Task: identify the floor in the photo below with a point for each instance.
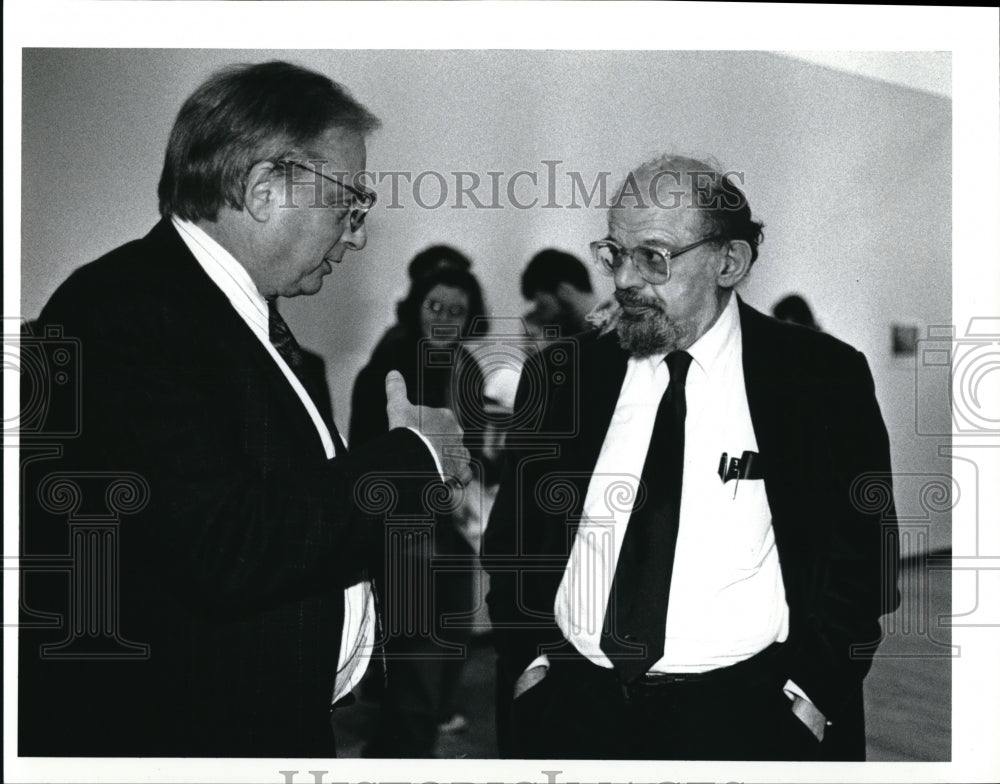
(907, 693)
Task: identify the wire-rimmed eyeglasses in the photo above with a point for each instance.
(652, 263)
(361, 203)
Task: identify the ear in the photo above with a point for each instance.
(263, 191)
(735, 264)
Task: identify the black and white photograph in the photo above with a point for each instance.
(500, 391)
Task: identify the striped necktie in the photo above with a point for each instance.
(287, 346)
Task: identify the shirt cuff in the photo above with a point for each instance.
(541, 661)
(792, 691)
(437, 461)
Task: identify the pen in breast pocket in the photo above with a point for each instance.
(747, 466)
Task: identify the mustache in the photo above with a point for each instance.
(630, 298)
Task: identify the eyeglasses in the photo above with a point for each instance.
(653, 264)
(455, 311)
(361, 203)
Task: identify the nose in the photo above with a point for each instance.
(627, 276)
(355, 239)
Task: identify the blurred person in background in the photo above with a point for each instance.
(795, 310)
(424, 657)
(557, 285)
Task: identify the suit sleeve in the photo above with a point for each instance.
(858, 578)
(241, 514)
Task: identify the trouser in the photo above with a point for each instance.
(582, 711)
(425, 663)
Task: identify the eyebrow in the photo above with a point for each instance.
(650, 244)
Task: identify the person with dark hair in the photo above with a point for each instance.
(438, 257)
(442, 305)
(424, 654)
(796, 310)
(230, 606)
(557, 284)
(679, 566)
(433, 258)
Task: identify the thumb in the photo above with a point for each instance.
(395, 388)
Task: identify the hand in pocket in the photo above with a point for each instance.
(529, 679)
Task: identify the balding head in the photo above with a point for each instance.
(680, 238)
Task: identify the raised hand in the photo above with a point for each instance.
(438, 425)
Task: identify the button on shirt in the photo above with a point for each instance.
(727, 599)
(234, 281)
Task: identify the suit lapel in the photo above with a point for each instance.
(602, 372)
(760, 377)
(598, 400)
(774, 398)
(208, 307)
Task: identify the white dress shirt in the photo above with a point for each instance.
(727, 599)
(234, 281)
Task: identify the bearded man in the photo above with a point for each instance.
(677, 567)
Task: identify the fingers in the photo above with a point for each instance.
(397, 407)
(456, 466)
(463, 475)
(395, 387)
(437, 425)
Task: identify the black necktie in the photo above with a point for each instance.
(636, 617)
(284, 341)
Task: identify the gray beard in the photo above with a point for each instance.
(644, 336)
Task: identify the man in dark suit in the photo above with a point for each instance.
(683, 563)
(228, 605)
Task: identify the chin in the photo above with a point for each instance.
(307, 287)
(644, 337)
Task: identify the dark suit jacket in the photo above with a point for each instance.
(826, 456)
(232, 570)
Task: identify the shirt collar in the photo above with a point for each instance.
(710, 347)
(227, 273)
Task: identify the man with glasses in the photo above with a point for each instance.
(243, 605)
(683, 562)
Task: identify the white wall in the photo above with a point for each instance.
(851, 176)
